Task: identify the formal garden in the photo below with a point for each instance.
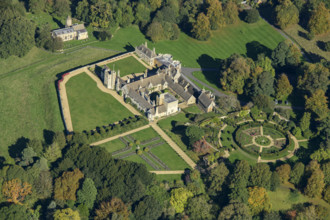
(267, 140)
(148, 148)
(90, 107)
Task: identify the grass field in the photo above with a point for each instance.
(239, 154)
(238, 38)
(312, 47)
(211, 78)
(164, 152)
(89, 106)
(127, 66)
(28, 99)
(193, 109)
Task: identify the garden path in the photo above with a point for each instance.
(120, 135)
(219, 134)
(175, 147)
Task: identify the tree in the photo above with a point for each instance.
(36, 145)
(273, 215)
(155, 4)
(326, 195)
(16, 37)
(62, 7)
(199, 208)
(305, 121)
(216, 178)
(142, 14)
(228, 103)
(59, 138)
(315, 184)
(263, 84)
(265, 63)
(37, 6)
(53, 152)
(15, 191)
(315, 77)
(284, 172)
(318, 104)
(283, 87)
(44, 185)
(231, 13)
(13, 212)
(319, 21)
(286, 14)
(66, 214)
(326, 172)
(260, 175)
(235, 210)
(215, 14)
(264, 103)
(239, 181)
(116, 209)
(284, 54)
(296, 173)
(327, 46)
(155, 31)
(201, 28)
(55, 44)
(258, 200)
(148, 208)
(67, 185)
(194, 134)
(251, 15)
(322, 154)
(234, 75)
(128, 16)
(27, 156)
(87, 194)
(201, 146)
(82, 10)
(179, 199)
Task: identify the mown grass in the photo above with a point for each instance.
(90, 107)
(193, 109)
(168, 177)
(28, 99)
(241, 38)
(127, 66)
(164, 152)
(239, 154)
(313, 47)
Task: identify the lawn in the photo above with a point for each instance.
(127, 66)
(312, 47)
(241, 38)
(227, 136)
(28, 100)
(168, 177)
(90, 107)
(239, 154)
(193, 109)
(164, 152)
(211, 78)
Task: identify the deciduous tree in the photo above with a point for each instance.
(179, 199)
(201, 28)
(260, 175)
(296, 173)
(194, 133)
(235, 210)
(115, 208)
(231, 13)
(215, 14)
(283, 87)
(319, 21)
(315, 184)
(87, 194)
(305, 121)
(155, 31)
(217, 177)
(284, 172)
(15, 191)
(318, 104)
(258, 200)
(199, 208)
(67, 185)
(148, 208)
(66, 214)
(286, 14)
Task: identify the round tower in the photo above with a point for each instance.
(68, 21)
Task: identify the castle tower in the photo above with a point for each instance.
(68, 21)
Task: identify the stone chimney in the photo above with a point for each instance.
(68, 21)
(128, 80)
(141, 78)
(145, 74)
(154, 50)
(146, 44)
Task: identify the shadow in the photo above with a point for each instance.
(48, 136)
(2, 162)
(267, 12)
(206, 61)
(303, 34)
(242, 14)
(315, 58)
(129, 47)
(254, 48)
(58, 22)
(321, 45)
(16, 149)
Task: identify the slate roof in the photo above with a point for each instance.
(63, 31)
(149, 53)
(204, 100)
(177, 88)
(79, 27)
(139, 99)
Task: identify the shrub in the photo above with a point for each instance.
(327, 46)
(251, 16)
(139, 152)
(310, 36)
(146, 149)
(103, 35)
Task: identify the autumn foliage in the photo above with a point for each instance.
(116, 207)
(67, 185)
(201, 146)
(15, 190)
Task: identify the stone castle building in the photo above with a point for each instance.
(167, 83)
(71, 32)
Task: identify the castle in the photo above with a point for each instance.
(71, 32)
(168, 85)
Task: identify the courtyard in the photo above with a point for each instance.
(127, 66)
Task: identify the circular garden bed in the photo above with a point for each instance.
(266, 140)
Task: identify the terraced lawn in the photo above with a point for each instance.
(90, 107)
(127, 66)
(163, 151)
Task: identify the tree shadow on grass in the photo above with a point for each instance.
(129, 47)
(48, 136)
(16, 149)
(321, 45)
(254, 48)
(58, 22)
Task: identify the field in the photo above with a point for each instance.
(127, 66)
(28, 100)
(89, 106)
(312, 47)
(158, 147)
(241, 38)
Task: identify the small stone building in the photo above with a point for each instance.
(146, 54)
(71, 32)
